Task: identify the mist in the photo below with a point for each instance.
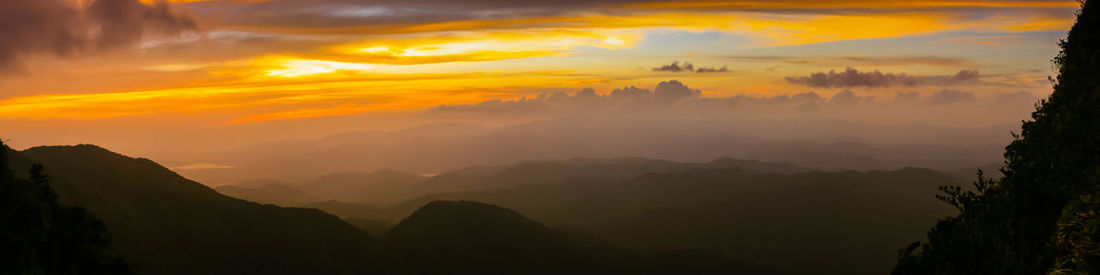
(944, 130)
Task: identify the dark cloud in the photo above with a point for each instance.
(950, 96)
(674, 90)
(630, 92)
(675, 67)
(711, 70)
(59, 27)
(807, 98)
(963, 77)
(765, 109)
(852, 78)
(665, 95)
(672, 93)
(688, 67)
(667, 92)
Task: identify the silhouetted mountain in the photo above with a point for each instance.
(463, 237)
(704, 213)
(40, 235)
(166, 224)
(827, 222)
(475, 238)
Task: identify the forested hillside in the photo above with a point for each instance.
(1041, 216)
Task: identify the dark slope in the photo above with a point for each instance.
(1041, 216)
(40, 235)
(463, 237)
(827, 222)
(468, 237)
(166, 224)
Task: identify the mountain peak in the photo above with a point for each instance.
(79, 148)
(466, 217)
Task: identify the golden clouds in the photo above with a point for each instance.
(848, 4)
(296, 68)
(480, 46)
(360, 66)
(270, 98)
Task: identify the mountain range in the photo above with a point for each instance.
(437, 148)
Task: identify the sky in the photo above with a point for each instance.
(147, 77)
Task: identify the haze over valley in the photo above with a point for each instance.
(549, 137)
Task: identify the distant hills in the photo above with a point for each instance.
(632, 215)
(829, 222)
(162, 223)
(165, 224)
(464, 237)
(475, 238)
(435, 148)
(842, 222)
(381, 186)
(384, 186)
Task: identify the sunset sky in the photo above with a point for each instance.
(138, 75)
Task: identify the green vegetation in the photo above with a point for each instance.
(1041, 216)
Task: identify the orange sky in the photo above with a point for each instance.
(242, 66)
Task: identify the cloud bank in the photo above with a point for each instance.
(852, 78)
(946, 106)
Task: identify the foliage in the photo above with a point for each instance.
(1078, 238)
(1037, 218)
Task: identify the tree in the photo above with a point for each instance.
(1035, 219)
(39, 235)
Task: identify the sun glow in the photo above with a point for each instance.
(480, 46)
(311, 70)
(296, 68)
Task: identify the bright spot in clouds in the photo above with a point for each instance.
(295, 68)
(315, 60)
